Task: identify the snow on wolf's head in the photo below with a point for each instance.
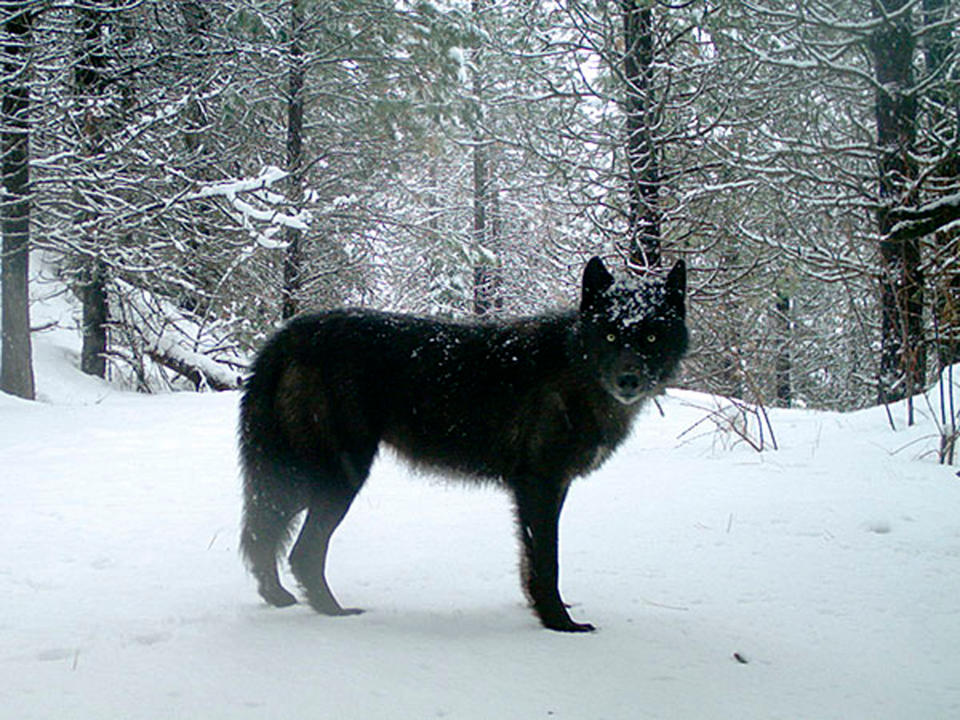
(633, 329)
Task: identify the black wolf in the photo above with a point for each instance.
(529, 404)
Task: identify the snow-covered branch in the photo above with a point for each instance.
(156, 329)
(925, 220)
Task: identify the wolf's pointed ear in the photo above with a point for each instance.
(676, 288)
(596, 281)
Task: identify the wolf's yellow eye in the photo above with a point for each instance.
(651, 338)
(611, 337)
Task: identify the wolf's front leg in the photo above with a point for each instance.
(538, 516)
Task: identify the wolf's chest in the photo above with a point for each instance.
(600, 455)
(594, 436)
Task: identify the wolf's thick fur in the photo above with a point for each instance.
(529, 404)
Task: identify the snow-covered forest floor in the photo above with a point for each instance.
(820, 580)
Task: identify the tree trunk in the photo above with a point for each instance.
(195, 374)
(90, 84)
(938, 41)
(730, 375)
(643, 167)
(16, 373)
(937, 46)
(96, 315)
(485, 270)
(197, 22)
(293, 254)
(202, 157)
(782, 363)
(902, 355)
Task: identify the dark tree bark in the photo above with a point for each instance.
(486, 273)
(486, 295)
(16, 375)
(293, 237)
(902, 355)
(643, 166)
(731, 376)
(938, 44)
(96, 316)
(481, 294)
(197, 23)
(782, 363)
(91, 82)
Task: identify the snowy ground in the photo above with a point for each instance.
(831, 566)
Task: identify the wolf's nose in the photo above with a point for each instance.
(628, 383)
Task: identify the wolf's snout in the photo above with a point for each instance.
(628, 383)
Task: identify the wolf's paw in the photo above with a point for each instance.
(343, 612)
(278, 597)
(572, 627)
(327, 605)
(563, 623)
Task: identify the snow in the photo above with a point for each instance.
(264, 211)
(829, 567)
(459, 56)
(231, 188)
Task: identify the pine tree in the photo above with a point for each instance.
(16, 367)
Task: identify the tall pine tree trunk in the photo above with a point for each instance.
(486, 295)
(643, 166)
(197, 22)
(16, 375)
(902, 354)
(90, 84)
(293, 237)
(938, 43)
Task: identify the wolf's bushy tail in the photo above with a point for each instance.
(270, 499)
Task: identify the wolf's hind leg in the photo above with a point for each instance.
(329, 503)
(261, 540)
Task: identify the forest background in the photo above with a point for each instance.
(196, 172)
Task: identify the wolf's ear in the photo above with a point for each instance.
(676, 288)
(596, 281)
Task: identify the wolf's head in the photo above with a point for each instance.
(633, 329)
